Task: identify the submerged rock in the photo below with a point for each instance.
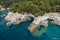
(32, 28)
(2, 16)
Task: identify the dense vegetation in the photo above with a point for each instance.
(36, 7)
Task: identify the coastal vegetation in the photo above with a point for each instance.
(36, 7)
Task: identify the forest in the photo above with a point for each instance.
(36, 7)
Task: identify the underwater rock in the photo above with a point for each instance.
(32, 28)
(2, 16)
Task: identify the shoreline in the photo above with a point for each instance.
(16, 18)
(54, 18)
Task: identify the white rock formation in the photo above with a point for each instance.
(40, 20)
(16, 18)
(55, 17)
(1, 8)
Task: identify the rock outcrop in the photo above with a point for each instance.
(55, 17)
(16, 18)
(40, 20)
(1, 8)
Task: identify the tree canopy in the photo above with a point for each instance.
(36, 7)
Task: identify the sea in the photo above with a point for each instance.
(21, 32)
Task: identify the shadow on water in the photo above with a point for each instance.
(26, 24)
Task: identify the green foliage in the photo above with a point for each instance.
(56, 7)
(36, 7)
(26, 6)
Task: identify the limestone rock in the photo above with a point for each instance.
(1, 8)
(55, 17)
(9, 24)
(16, 18)
(40, 20)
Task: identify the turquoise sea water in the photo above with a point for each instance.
(20, 32)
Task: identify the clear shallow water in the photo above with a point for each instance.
(20, 32)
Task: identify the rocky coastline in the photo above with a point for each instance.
(40, 20)
(16, 18)
(54, 18)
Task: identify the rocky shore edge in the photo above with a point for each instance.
(54, 18)
(16, 18)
